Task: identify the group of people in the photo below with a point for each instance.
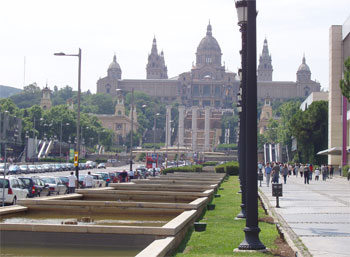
(272, 171)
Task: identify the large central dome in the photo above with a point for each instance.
(208, 43)
(208, 51)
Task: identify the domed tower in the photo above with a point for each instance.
(303, 73)
(114, 70)
(265, 64)
(156, 68)
(208, 51)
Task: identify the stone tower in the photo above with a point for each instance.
(265, 116)
(156, 68)
(119, 107)
(45, 101)
(265, 64)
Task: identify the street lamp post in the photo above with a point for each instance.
(67, 124)
(132, 126)
(154, 131)
(251, 241)
(78, 112)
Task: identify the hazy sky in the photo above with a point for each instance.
(35, 29)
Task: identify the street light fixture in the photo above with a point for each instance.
(77, 149)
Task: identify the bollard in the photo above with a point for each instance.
(277, 192)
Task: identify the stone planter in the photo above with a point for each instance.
(199, 226)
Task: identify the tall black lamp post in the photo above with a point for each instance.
(77, 147)
(242, 22)
(251, 240)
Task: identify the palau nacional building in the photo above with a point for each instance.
(204, 93)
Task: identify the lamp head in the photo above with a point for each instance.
(242, 11)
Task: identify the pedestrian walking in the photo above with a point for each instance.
(348, 174)
(290, 169)
(306, 174)
(88, 180)
(340, 169)
(324, 172)
(317, 174)
(296, 169)
(331, 171)
(301, 170)
(72, 180)
(311, 170)
(268, 170)
(285, 173)
(275, 173)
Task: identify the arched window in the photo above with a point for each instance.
(306, 91)
(119, 113)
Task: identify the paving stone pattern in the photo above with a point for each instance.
(318, 213)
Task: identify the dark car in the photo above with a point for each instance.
(35, 185)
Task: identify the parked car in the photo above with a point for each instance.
(32, 169)
(47, 167)
(58, 167)
(35, 186)
(101, 165)
(24, 168)
(39, 169)
(105, 177)
(2, 167)
(98, 180)
(65, 181)
(14, 189)
(55, 185)
(14, 169)
(70, 166)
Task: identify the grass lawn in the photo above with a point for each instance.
(224, 233)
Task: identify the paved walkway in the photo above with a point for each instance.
(318, 213)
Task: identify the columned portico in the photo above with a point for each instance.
(181, 125)
(194, 128)
(167, 126)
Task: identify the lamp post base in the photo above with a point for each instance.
(251, 240)
(242, 215)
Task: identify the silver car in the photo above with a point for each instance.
(55, 185)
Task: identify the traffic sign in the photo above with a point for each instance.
(76, 159)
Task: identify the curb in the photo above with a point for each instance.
(284, 229)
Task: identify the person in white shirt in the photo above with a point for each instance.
(71, 183)
(88, 180)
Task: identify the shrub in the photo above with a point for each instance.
(345, 170)
(230, 168)
(194, 168)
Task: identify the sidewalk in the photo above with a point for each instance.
(318, 213)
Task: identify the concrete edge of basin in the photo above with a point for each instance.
(158, 248)
(290, 237)
(12, 209)
(180, 221)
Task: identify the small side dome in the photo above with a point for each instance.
(304, 66)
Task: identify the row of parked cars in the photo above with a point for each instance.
(14, 169)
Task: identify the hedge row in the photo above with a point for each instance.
(230, 168)
(209, 164)
(194, 168)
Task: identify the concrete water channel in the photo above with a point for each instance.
(143, 218)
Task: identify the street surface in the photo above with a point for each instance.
(318, 213)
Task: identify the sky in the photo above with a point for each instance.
(33, 30)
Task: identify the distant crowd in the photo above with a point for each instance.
(274, 170)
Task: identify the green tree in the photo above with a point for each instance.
(30, 96)
(310, 128)
(345, 83)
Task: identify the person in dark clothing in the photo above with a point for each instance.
(306, 174)
(123, 176)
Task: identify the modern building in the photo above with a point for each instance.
(313, 97)
(338, 107)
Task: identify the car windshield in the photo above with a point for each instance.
(104, 176)
(32, 166)
(23, 166)
(26, 181)
(64, 179)
(49, 180)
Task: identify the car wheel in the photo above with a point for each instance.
(14, 202)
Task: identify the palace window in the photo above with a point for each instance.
(195, 90)
(206, 90)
